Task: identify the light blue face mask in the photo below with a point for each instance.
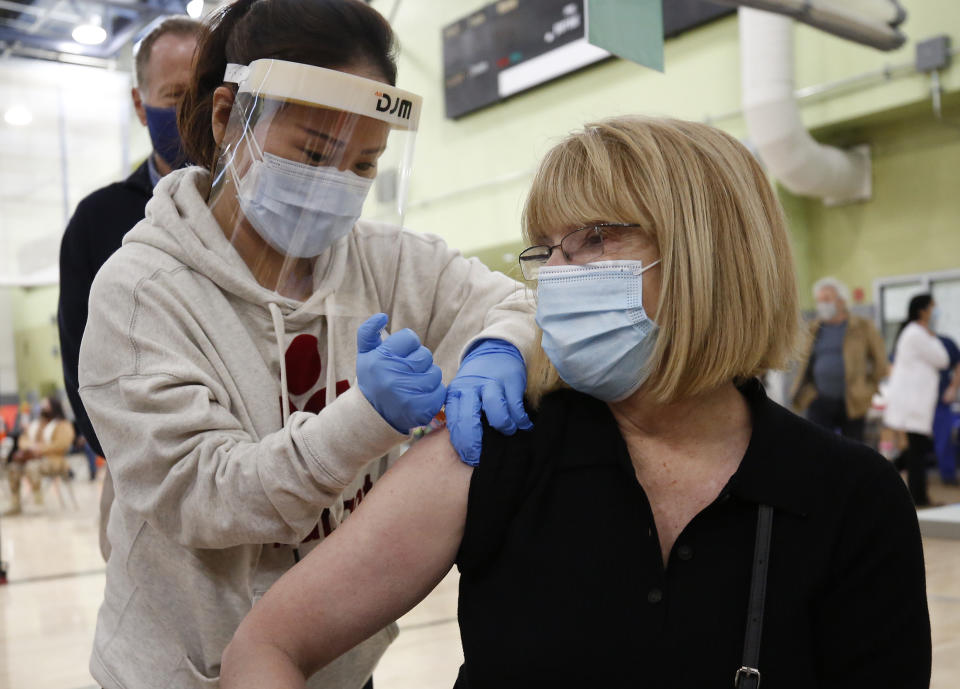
(595, 330)
(300, 210)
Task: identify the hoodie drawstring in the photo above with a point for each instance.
(279, 333)
(331, 349)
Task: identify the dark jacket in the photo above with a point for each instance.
(94, 232)
(563, 583)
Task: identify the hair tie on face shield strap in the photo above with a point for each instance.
(235, 74)
(595, 330)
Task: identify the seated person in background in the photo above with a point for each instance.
(42, 452)
(614, 544)
(21, 419)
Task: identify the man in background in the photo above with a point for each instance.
(843, 365)
(163, 67)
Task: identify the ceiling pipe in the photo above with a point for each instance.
(875, 23)
(801, 164)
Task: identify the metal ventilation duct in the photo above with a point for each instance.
(793, 157)
(875, 23)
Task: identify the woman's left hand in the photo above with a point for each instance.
(492, 379)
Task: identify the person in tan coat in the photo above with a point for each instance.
(42, 452)
(844, 362)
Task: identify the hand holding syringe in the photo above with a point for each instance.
(397, 375)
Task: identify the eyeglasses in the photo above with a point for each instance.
(580, 246)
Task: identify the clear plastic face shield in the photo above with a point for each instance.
(307, 151)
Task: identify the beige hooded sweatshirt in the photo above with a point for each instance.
(180, 371)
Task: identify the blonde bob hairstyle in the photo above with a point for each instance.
(728, 308)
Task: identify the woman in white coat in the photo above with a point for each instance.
(919, 356)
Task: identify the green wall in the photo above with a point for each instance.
(701, 82)
(36, 342)
(912, 223)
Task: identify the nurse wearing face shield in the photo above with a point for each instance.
(256, 352)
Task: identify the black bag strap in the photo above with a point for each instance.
(748, 676)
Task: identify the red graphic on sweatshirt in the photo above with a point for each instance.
(318, 401)
(303, 364)
(304, 373)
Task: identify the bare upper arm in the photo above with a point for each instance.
(383, 560)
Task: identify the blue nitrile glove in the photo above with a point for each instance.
(398, 376)
(492, 377)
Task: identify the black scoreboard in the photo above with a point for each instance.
(683, 15)
(510, 46)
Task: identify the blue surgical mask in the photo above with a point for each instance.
(162, 125)
(826, 310)
(934, 318)
(595, 330)
(300, 210)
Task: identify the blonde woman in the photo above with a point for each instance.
(664, 524)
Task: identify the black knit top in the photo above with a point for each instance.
(563, 584)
